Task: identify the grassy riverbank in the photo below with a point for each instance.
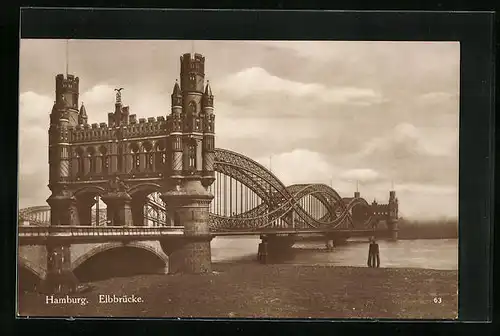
(286, 291)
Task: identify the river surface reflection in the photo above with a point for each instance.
(420, 253)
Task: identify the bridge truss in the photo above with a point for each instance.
(249, 197)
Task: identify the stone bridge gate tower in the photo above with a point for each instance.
(190, 168)
(123, 160)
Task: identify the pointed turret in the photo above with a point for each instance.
(208, 97)
(82, 116)
(176, 99)
(208, 89)
(177, 89)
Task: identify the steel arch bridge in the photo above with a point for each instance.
(249, 197)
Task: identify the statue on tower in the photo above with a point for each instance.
(119, 95)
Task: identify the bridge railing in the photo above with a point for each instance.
(79, 231)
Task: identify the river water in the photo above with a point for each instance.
(441, 254)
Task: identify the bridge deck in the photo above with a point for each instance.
(29, 235)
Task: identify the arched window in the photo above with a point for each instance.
(192, 155)
(192, 107)
(160, 155)
(137, 161)
(177, 219)
(150, 161)
(80, 167)
(92, 160)
(148, 150)
(136, 156)
(119, 159)
(105, 160)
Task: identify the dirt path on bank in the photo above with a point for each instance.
(285, 291)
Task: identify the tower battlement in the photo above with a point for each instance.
(192, 63)
(192, 74)
(67, 90)
(67, 83)
(84, 151)
(101, 132)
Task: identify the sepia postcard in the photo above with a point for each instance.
(238, 179)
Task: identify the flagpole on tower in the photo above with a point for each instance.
(67, 57)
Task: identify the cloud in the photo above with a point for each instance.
(428, 189)
(256, 80)
(34, 110)
(406, 141)
(327, 111)
(98, 95)
(437, 97)
(427, 201)
(299, 166)
(361, 175)
(99, 100)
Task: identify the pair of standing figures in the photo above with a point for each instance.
(373, 254)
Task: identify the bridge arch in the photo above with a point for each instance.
(144, 189)
(36, 270)
(90, 189)
(115, 259)
(29, 275)
(279, 201)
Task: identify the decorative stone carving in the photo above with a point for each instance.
(117, 185)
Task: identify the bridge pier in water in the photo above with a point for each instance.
(275, 248)
(60, 278)
(336, 239)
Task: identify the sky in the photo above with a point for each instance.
(384, 114)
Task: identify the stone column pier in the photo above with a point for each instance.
(63, 211)
(63, 208)
(119, 211)
(137, 208)
(189, 202)
(337, 239)
(85, 210)
(60, 278)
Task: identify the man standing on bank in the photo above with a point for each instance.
(373, 254)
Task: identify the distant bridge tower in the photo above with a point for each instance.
(392, 218)
(190, 167)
